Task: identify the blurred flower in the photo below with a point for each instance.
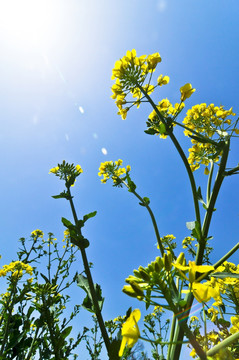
(130, 331)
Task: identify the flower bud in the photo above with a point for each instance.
(127, 289)
(137, 273)
(131, 278)
(167, 258)
(143, 274)
(156, 267)
(159, 260)
(137, 289)
(181, 259)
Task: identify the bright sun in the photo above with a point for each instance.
(26, 23)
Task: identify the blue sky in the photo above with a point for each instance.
(55, 69)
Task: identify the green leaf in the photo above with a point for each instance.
(45, 278)
(79, 240)
(66, 332)
(200, 139)
(67, 223)
(223, 275)
(199, 193)
(146, 201)
(224, 322)
(82, 282)
(62, 195)
(162, 128)
(131, 184)
(128, 312)
(194, 226)
(150, 131)
(88, 216)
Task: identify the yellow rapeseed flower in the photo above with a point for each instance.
(54, 170)
(163, 80)
(79, 169)
(186, 91)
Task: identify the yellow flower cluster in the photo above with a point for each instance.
(130, 73)
(166, 109)
(67, 240)
(203, 292)
(187, 242)
(16, 268)
(37, 233)
(79, 169)
(235, 324)
(167, 242)
(113, 170)
(213, 123)
(67, 172)
(229, 285)
(54, 170)
(211, 339)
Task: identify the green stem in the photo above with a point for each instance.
(172, 330)
(91, 284)
(162, 342)
(226, 256)
(232, 171)
(200, 136)
(200, 352)
(205, 328)
(212, 201)
(179, 333)
(181, 153)
(8, 316)
(28, 357)
(151, 215)
(209, 183)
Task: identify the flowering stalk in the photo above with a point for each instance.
(179, 332)
(91, 284)
(210, 131)
(181, 153)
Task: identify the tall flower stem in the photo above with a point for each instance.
(181, 153)
(151, 216)
(179, 332)
(212, 201)
(91, 284)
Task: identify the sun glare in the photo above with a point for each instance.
(26, 23)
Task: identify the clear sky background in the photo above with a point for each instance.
(55, 71)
